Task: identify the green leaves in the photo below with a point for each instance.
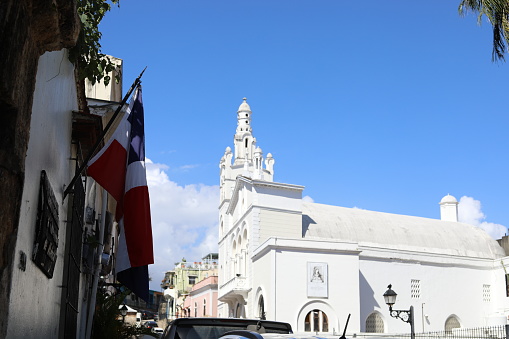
(497, 12)
(86, 55)
(108, 322)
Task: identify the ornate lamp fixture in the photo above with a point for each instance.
(405, 315)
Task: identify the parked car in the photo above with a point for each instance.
(148, 315)
(138, 320)
(260, 334)
(255, 335)
(158, 330)
(150, 324)
(214, 328)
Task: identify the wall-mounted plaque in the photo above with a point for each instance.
(317, 276)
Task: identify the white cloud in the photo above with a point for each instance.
(186, 168)
(307, 198)
(470, 212)
(184, 221)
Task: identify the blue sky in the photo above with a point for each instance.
(380, 105)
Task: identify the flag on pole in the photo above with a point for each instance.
(119, 167)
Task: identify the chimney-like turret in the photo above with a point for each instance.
(449, 208)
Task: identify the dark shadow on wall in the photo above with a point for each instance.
(367, 300)
(306, 221)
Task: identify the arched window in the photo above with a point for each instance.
(325, 323)
(452, 322)
(195, 310)
(204, 307)
(261, 308)
(246, 142)
(238, 311)
(244, 236)
(316, 321)
(375, 323)
(239, 256)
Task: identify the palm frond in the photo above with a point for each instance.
(497, 13)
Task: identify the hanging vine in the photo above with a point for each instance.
(86, 55)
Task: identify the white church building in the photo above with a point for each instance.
(311, 265)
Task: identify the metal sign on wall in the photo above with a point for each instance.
(46, 236)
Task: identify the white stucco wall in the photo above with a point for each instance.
(278, 224)
(448, 286)
(285, 261)
(277, 195)
(500, 300)
(35, 299)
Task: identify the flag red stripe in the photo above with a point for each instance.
(137, 226)
(109, 170)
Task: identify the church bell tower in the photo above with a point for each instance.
(247, 159)
(243, 139)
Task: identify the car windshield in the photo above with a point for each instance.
(213, 332)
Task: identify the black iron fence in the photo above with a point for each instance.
(500, 332)
(491, 332)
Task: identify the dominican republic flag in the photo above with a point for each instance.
(119, 167)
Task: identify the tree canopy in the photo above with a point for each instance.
(497, 12)
(86, 55)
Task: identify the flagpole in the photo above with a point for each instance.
(103, 134)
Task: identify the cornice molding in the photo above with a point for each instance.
(242, 179)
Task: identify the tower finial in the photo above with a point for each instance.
(244, 98)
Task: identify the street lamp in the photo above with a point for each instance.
(405, 315)
(123, 312)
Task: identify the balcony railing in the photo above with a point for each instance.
(236, 285)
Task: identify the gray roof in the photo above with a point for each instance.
(399, 232)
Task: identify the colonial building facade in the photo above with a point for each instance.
(180, 283)
(282, 258)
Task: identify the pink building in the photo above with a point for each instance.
(202, 300)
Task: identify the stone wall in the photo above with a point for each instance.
(28, 28)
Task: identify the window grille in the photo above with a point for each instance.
(486, 293)
(415, 289)
(73, 254)
(375, 323)
(452, 322)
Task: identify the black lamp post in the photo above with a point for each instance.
(405, 315)
(123, 312)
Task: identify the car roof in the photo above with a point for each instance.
(209, 321)
(244, 334)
